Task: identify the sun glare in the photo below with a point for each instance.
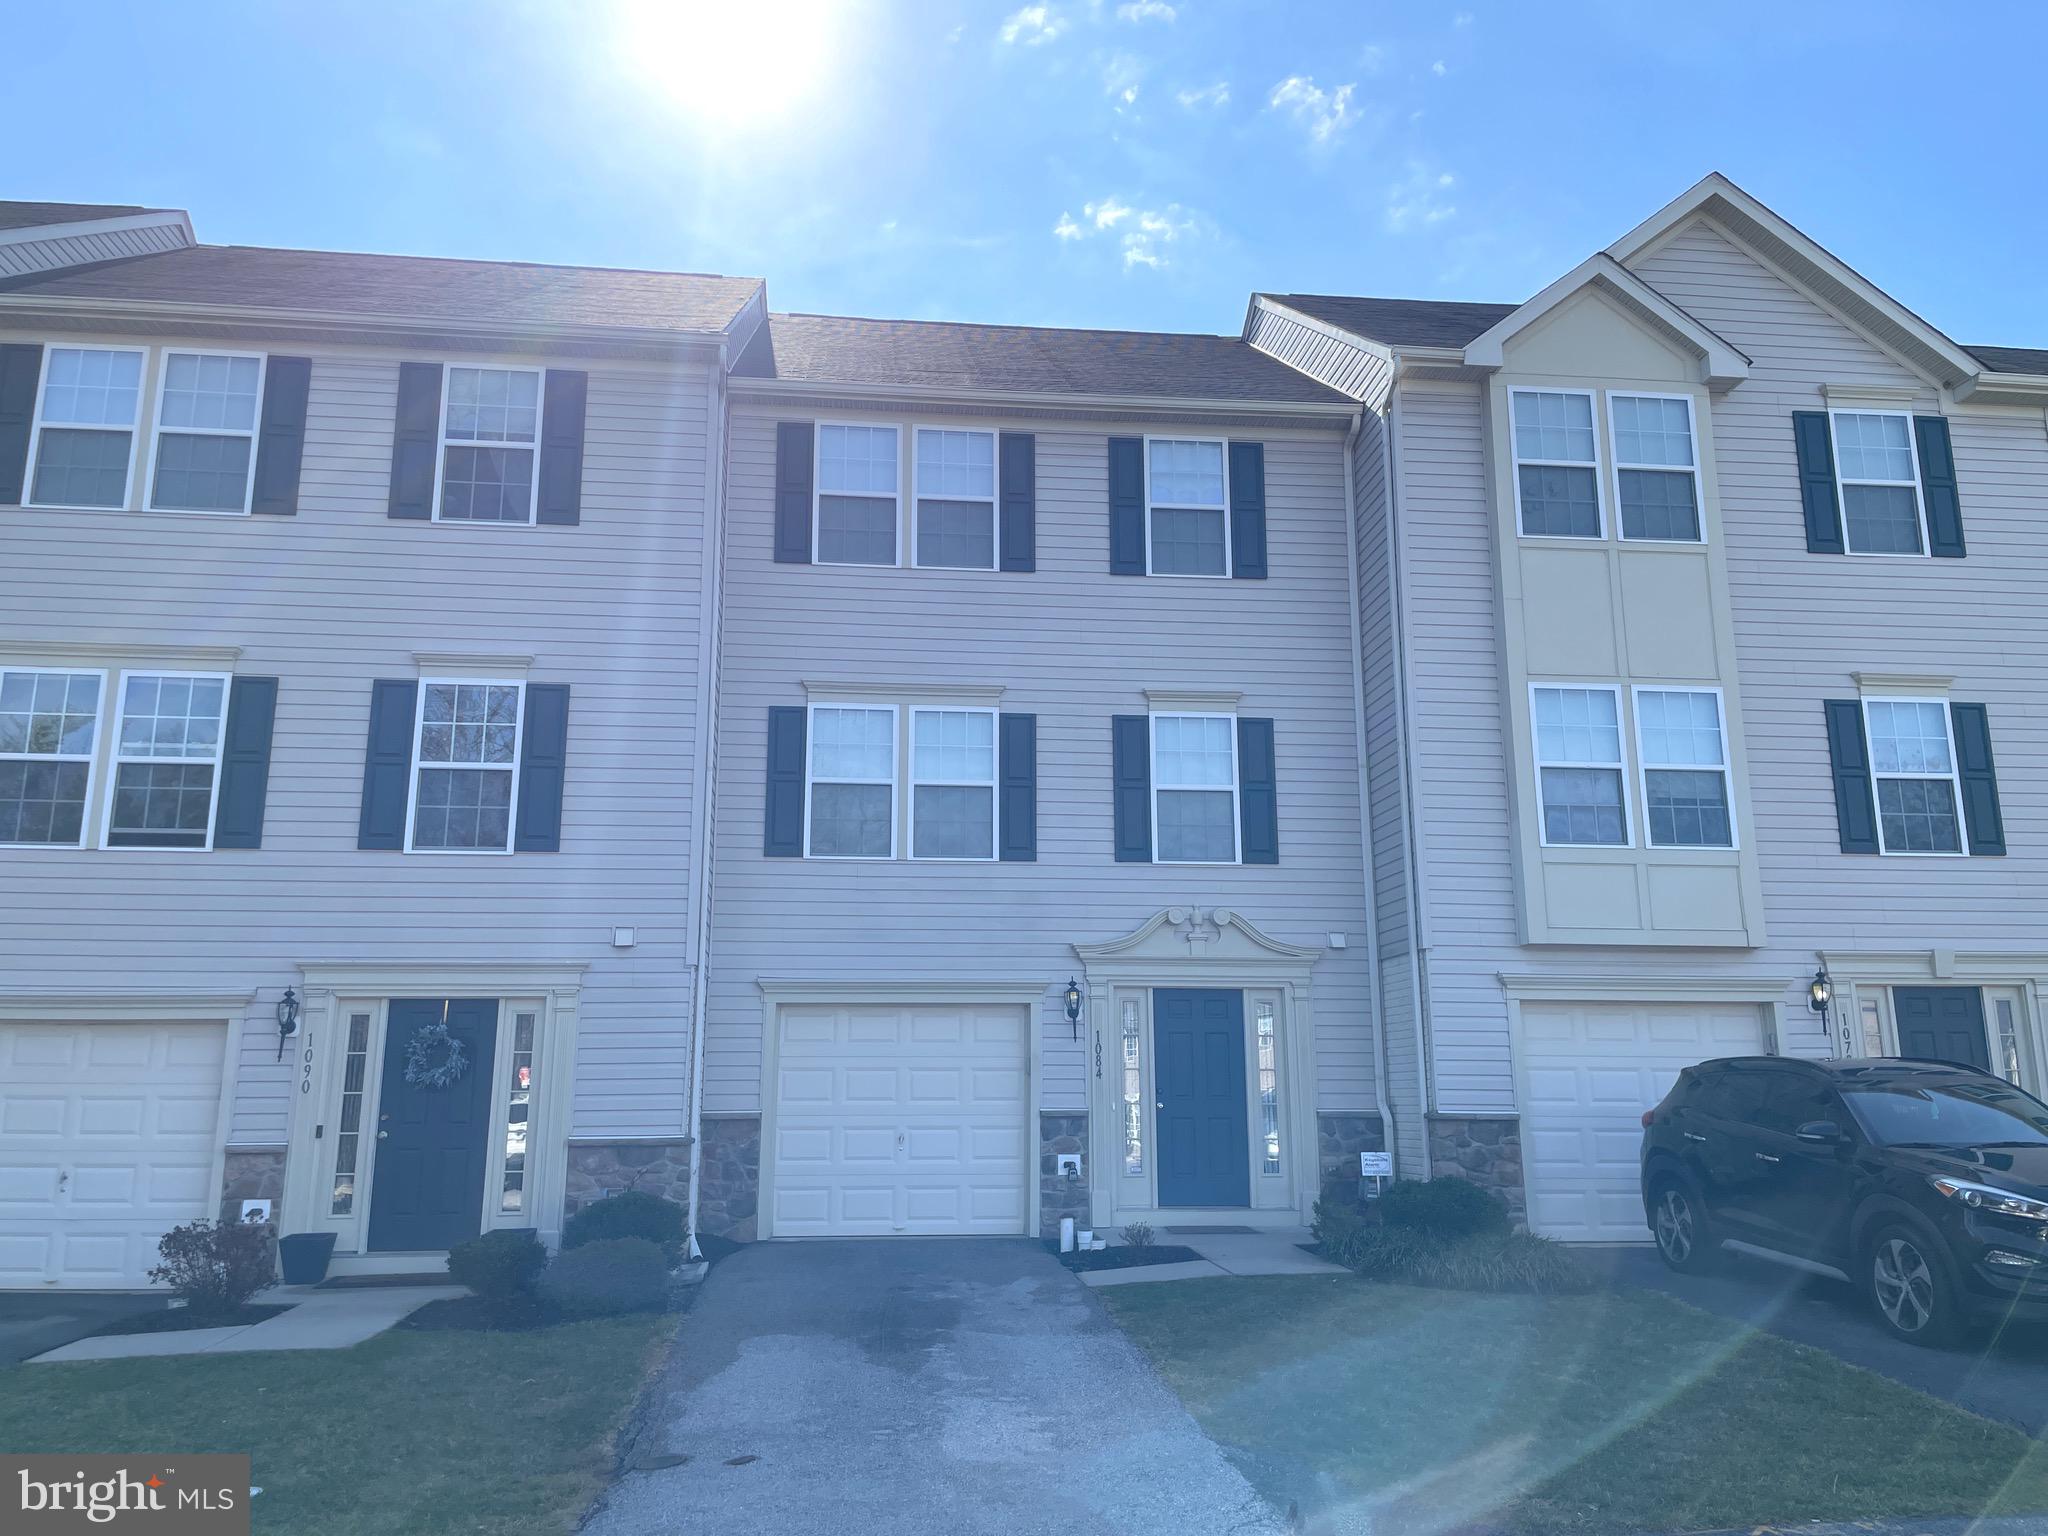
(727, 63)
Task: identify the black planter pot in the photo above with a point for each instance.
(303, 1257)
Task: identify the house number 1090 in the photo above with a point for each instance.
(306, 1066)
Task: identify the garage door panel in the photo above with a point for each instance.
(860, 1086)
(932, 1085)
(24, 1115)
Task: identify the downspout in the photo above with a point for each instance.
(1391, 472)
(709, 629)
(1372, 924)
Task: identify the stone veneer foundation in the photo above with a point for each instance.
(1058, 1195)
(1340, 1138)
(729, 1178)
(1486, 1151)
(655, 1165)
(253, 1173)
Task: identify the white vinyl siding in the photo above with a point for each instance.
(1581, 779)
(165, 781)
(465, 779)
(1187, 507)
(83, 449)
(1656, 467)
(1913, 766)
(1877, 471)
(490, 445)
(1194, 789)
(1557, 464)
(954, 499)
(203, 455)
(49, 737)
(858, 512)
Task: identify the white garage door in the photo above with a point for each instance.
(106, 1140)
(900, 1120)
(1588, 1073)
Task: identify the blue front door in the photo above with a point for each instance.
(433, 1143)
(1198, 1059)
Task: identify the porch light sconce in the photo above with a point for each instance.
(287, 1019)
(1820, 991)
(1074, 1006)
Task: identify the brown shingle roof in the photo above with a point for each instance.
(2011, 359)
(28, 215)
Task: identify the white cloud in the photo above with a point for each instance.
(1420, 199)
(1108, 213)
(1146, 10)
(1325, 114)
(1145, 236)
(1121, 77)
(1438, 69)
(1217, 95)
(1067, 229)
(1032, 25)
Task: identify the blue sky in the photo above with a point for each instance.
(1130, 163)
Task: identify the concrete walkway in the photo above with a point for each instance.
(919, 1387)
(317, 1320)
(1274, 1252)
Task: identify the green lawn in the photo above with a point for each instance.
(1556, 1415)
(410, 1434)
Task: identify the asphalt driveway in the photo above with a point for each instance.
(2002, 1376)
(34, 1321)
(916, 1386)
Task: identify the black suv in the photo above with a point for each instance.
(1923, 1182)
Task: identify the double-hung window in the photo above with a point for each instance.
(952, 784)
(490, 435)
(1656, 467)
(167, 744)
(850, 804)
(49, 729)
(1579, 771)
(1187, 507)
(465, 766)
(205, 447)
(1684, 753)
(84, 449)
(1194, 789)
(1913, 765)
(1878, 474)
(955, 499)
(1557, 463)
(859, 504)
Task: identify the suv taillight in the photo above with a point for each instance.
(1649, 1118)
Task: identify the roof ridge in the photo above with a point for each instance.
(470, 261)
(1004, 325)
(1378, 298)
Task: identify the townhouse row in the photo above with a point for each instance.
(476, 736)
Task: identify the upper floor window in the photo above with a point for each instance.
(1656, 468)
(1194, 789)
(858, 501)
(955, 499)
(205, 432)
(49, 728)
(1579, 766)
(167, 742)
(850, 798)
(1557, 463)
(1878, 474)
(1913, 768)
(465, 766)
(490, 431)
(1684, 753)
(1187, 507)
(84, 449)
(952, 783)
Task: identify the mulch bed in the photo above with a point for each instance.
(184, 1319)
(1125, 1258)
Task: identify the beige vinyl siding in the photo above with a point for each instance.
(20, 257)
(337, 596)
(1073, 645)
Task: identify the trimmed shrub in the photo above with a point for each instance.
(1496, 1261)
(216, 1266)
(499, 1265)
(1446, 1207)
(1338, 1217)
(1139, 1234)
(614, 1274)
(630, 1214)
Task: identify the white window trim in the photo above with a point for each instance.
(994, 499)
(811, 780)
(1621, 766)
(818, 493)
(35, 441)
(157, 429)
(993, 784)
(1598, 466)
(1699, 489)
(1644, 766)
(443, 442)
(1236, 785)
(1954, 776)
(412, 787)
(1842, 484)
(115, 758)
(91, 756)
(1223, 446)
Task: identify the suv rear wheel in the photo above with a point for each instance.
(1685, 1239)
(1911, 1289)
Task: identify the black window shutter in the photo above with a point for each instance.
(21, 366)
(1849, 760)
(1018, 838)
(782, 835)
(1938, 483)
(245, 762)
(416, 443)
(1979, 776)
(1131, 778)
(387, 764)
(1127, 512)
(1258, 799)
(1817, 482)
(543, 765)
(561, 447)
(1018, 518)
(795, 443)
(1248, 510)
(281, 440)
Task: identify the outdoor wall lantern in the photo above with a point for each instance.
(1074, 1006)
(1820, 991)
(287, 1019)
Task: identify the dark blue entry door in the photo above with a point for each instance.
(1198, 1059)
(433, 1144)
(1945, 1023)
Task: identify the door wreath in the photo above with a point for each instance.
(434, 1058)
